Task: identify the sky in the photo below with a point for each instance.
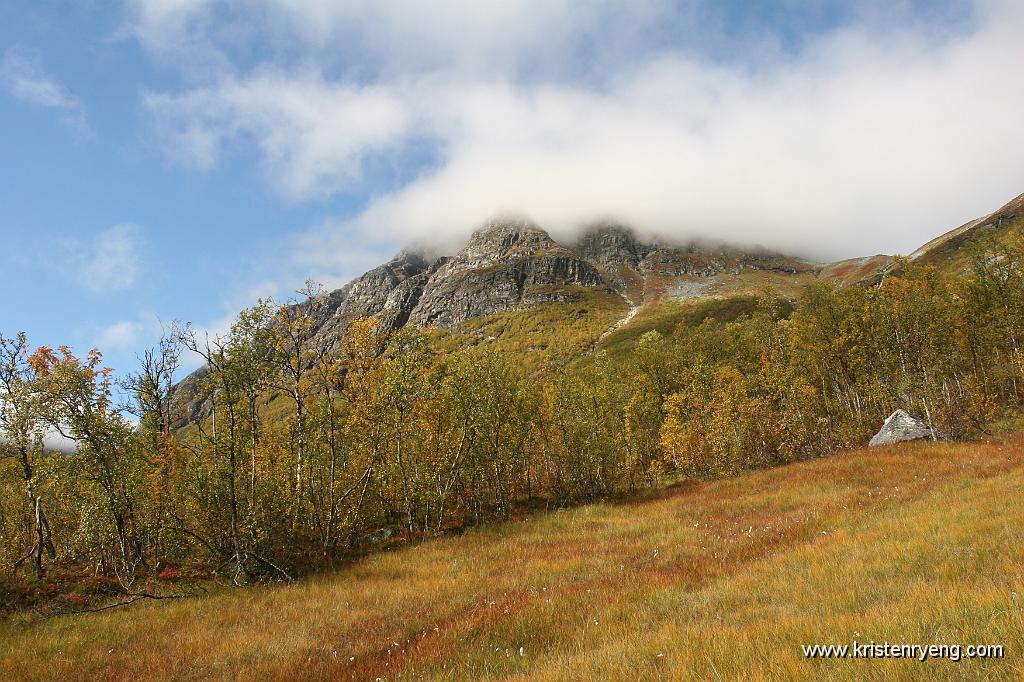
(177, 159)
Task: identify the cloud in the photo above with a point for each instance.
(179, 31)
(111, 262)
(328, 255)
(126, 336)
(390, 38)
(873, 135)
(23, 77)
(319, 131)
(120, 335)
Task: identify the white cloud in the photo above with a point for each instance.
(327, 254)
(871, 138)
(23, 77)
(393, 37)
(318, 131)
(120, 335)
(128, 336)
(177, 30)
(111, 262)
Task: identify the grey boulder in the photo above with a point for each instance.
(899, 427)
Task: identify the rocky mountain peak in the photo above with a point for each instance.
(508, 232)
(499, 270)
(501, 239)
(508, 265)
(407, 263)
(612, 245)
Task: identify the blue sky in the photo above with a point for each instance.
(176, 159)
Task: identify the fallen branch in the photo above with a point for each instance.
(22, 560)
(135, 596)
(267, 562)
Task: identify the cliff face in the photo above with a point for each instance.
(510, 264)
(497, 272)
(389, 292)
(612, 246)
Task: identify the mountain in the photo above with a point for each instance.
(510, 265)
(511, 269)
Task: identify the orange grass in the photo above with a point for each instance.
(917, 543)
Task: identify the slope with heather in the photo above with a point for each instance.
(919, 543)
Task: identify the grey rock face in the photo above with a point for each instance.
(709, 260)
(612, 246)
(508, 264)
(186, 394)
(495, 273)
(901, 426)
(390, 292)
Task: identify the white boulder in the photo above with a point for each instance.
(899, 427)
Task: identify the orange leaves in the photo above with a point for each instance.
(42, 360)
(45, 360)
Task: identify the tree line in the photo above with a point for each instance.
(311, 446)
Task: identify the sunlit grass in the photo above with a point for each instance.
(667, 315)
(724, 580)
(543, 334)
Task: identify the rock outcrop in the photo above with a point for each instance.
(612, 246)
(495, 272)
(901, 426)
(390, 291)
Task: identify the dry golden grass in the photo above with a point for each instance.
(725, 580)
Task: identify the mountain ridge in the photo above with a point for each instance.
(509, 265)
(501, 260)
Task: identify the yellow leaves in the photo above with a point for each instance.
(675, 433)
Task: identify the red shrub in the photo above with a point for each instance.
(169, 574)
(75, 598)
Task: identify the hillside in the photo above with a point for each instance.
(951, 249)
(919, 543)
(395, 341)
(639, 385)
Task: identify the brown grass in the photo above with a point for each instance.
(722, 580)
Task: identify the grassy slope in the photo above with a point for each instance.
(915, 543)
(666, 315)
(541, 334)
(951, 251)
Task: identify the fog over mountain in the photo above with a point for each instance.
(870, 134)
